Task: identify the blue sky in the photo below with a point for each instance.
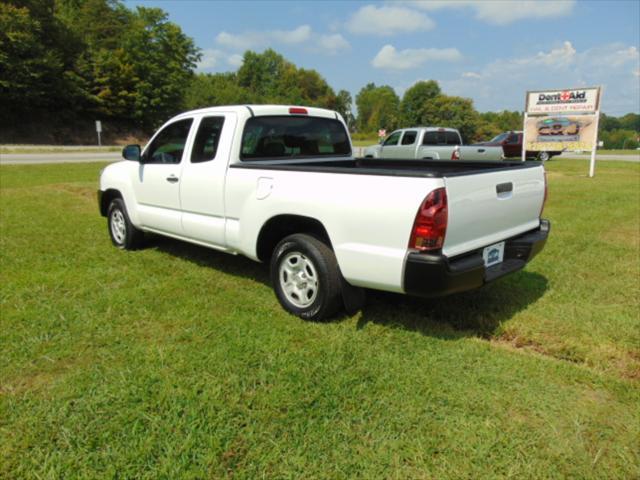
(491, 51)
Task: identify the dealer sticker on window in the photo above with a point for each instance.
(493, 254)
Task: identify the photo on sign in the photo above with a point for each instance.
(557, 133)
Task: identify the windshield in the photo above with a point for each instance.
(293, 137)
(500, 138)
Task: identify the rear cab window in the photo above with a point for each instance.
(283, 136)
(441, 138)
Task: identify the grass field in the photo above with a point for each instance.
(177, 362)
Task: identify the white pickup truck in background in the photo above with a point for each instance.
(279, 185)
(431, 143)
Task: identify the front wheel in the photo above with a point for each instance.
(544, 156)
(306, 277)
(123, 233)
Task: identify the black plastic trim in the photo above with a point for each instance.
(394, 168)
(250, 110)
(100, 195)
(435, 275)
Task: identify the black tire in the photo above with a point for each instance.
(326, 299)
(127, 237)
(544, 156)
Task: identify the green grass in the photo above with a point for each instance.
(365, 143)
(177, 362)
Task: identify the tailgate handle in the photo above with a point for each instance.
(481, 150)
(503, 189)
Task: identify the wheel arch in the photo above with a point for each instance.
(280, 226)
(107, 197)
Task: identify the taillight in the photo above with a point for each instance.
(430, 225)
(298, 111)
(546, 194)
(455, 155)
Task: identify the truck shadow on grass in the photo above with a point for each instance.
(475, 313)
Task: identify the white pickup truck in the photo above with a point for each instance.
(431, 143)
(278, 184)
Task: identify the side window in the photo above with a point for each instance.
(392, 139)
(409, 137)
(206, 142)
(512, 139)
(169, 144)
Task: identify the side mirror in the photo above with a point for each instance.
(131, 152)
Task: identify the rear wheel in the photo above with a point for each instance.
(123, 233)
(544, 156)
(306, 278)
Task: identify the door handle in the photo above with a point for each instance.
(172, 179)
(504, 189)
(481, 150)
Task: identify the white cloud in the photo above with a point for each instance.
(213, 59)
(503, 82)
(235, 60)
(471, 75)
(388, 20)
(501, 12)
(302, 36)
(391, 59)
(248, 40)
(332, 43)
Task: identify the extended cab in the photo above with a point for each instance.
(279, 185)
(431, 143)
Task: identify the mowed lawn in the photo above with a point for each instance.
(177, 361)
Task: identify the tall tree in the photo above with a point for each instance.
(453, 112)
(273, 79)
(378, 107)
(37, 55)
(344, 107)
(209, 90)
(415, 100)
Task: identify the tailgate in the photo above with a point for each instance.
(485, 208)
(480, 152)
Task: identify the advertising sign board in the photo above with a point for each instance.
(577, 100)
(560, 120)
(559, 133)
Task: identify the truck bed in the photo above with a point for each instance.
(398, 168)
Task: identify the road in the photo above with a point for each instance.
(37, 158)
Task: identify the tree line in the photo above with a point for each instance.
(73, 61)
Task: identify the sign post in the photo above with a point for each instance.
(592, 163)
(562, 120)
(99, 131)
(524, 138)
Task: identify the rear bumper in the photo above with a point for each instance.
(428, 275)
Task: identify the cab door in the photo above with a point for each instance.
(390, 147)
(407, 147)
(203, 179)
(511, 146)
(156, 181)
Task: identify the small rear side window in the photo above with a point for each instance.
(409, 137)
(205, 146)
(271, 137)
